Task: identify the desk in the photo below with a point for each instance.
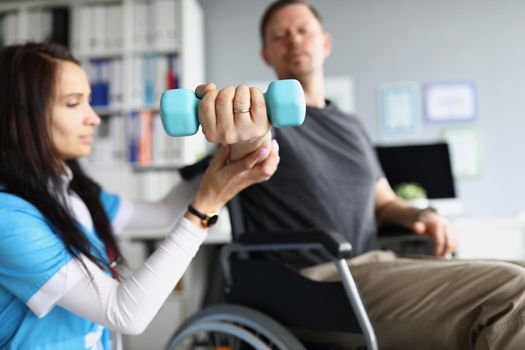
(218, 234)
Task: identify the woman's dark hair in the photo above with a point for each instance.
(278, 5)
(30, 166)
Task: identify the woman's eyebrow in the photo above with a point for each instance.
(72, 94)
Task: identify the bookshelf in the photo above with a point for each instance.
(132, 50)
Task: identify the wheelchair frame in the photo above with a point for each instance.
(250, 326)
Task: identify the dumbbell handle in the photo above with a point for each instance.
(285, 105)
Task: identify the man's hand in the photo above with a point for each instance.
(392, 210)
(438, 228)
(233, 114)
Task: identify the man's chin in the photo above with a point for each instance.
(297, 74)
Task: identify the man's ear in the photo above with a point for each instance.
(265, 57)
(327, 44)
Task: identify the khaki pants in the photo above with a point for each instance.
(439, 304)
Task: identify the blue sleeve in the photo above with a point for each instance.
(30, 252)
(111, 204)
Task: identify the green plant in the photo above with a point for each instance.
(410, 191)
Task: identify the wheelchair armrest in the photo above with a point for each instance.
(390, 230)
(334, 243)
(404, 241)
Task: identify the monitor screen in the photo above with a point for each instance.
(427, 165)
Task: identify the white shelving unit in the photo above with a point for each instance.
(173, 28)
(184, 41)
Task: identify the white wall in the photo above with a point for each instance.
(378, 41)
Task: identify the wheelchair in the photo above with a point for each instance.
(270, 305)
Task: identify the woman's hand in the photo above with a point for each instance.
(223, 180)
(233, 114)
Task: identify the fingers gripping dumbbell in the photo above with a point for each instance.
(285, 105)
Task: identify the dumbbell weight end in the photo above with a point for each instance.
(285, 104)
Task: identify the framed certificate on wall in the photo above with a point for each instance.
(453, 101)
(399, 108)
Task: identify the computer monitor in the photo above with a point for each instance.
(428, 165)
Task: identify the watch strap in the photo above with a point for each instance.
(207, 219)
(197, 213)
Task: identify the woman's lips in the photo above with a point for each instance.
(87, 139)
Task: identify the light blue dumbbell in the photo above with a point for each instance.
(285, 105)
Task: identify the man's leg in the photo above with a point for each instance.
(439, 304)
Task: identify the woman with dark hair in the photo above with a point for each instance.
(58, 283)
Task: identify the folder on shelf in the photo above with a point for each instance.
(137, 82)
(164, 28)
(116, 97)
(140, 25)
(110, 141)
(99, 75)
(81, 25)
(149, 62)
(97, 32)
(133, 136)
(39, 25)
(60, 26)
(164, 148)
(118, 137)
(102, 152)
(173, 72)
(114, 28)
(161, 77)
(10, 28)
(145, 139)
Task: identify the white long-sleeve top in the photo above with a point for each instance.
(129, 306)
(40, 286)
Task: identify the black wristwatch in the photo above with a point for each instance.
(207, 219)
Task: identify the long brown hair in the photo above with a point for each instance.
(30, 166)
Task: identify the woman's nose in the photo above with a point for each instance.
(92, 117)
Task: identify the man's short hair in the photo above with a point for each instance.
(278, 5)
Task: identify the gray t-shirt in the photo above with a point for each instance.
(325, 180)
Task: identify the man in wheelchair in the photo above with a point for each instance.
(329, 178)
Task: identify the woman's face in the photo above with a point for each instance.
(73, 121)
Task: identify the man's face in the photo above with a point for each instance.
(295, 43)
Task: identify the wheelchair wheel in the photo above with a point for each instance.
(232, 327)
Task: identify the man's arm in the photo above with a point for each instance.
(390, 209)
(239, 150)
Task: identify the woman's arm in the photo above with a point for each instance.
(129, 306)
(153, 215)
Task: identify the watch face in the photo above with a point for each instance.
(212, 220)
